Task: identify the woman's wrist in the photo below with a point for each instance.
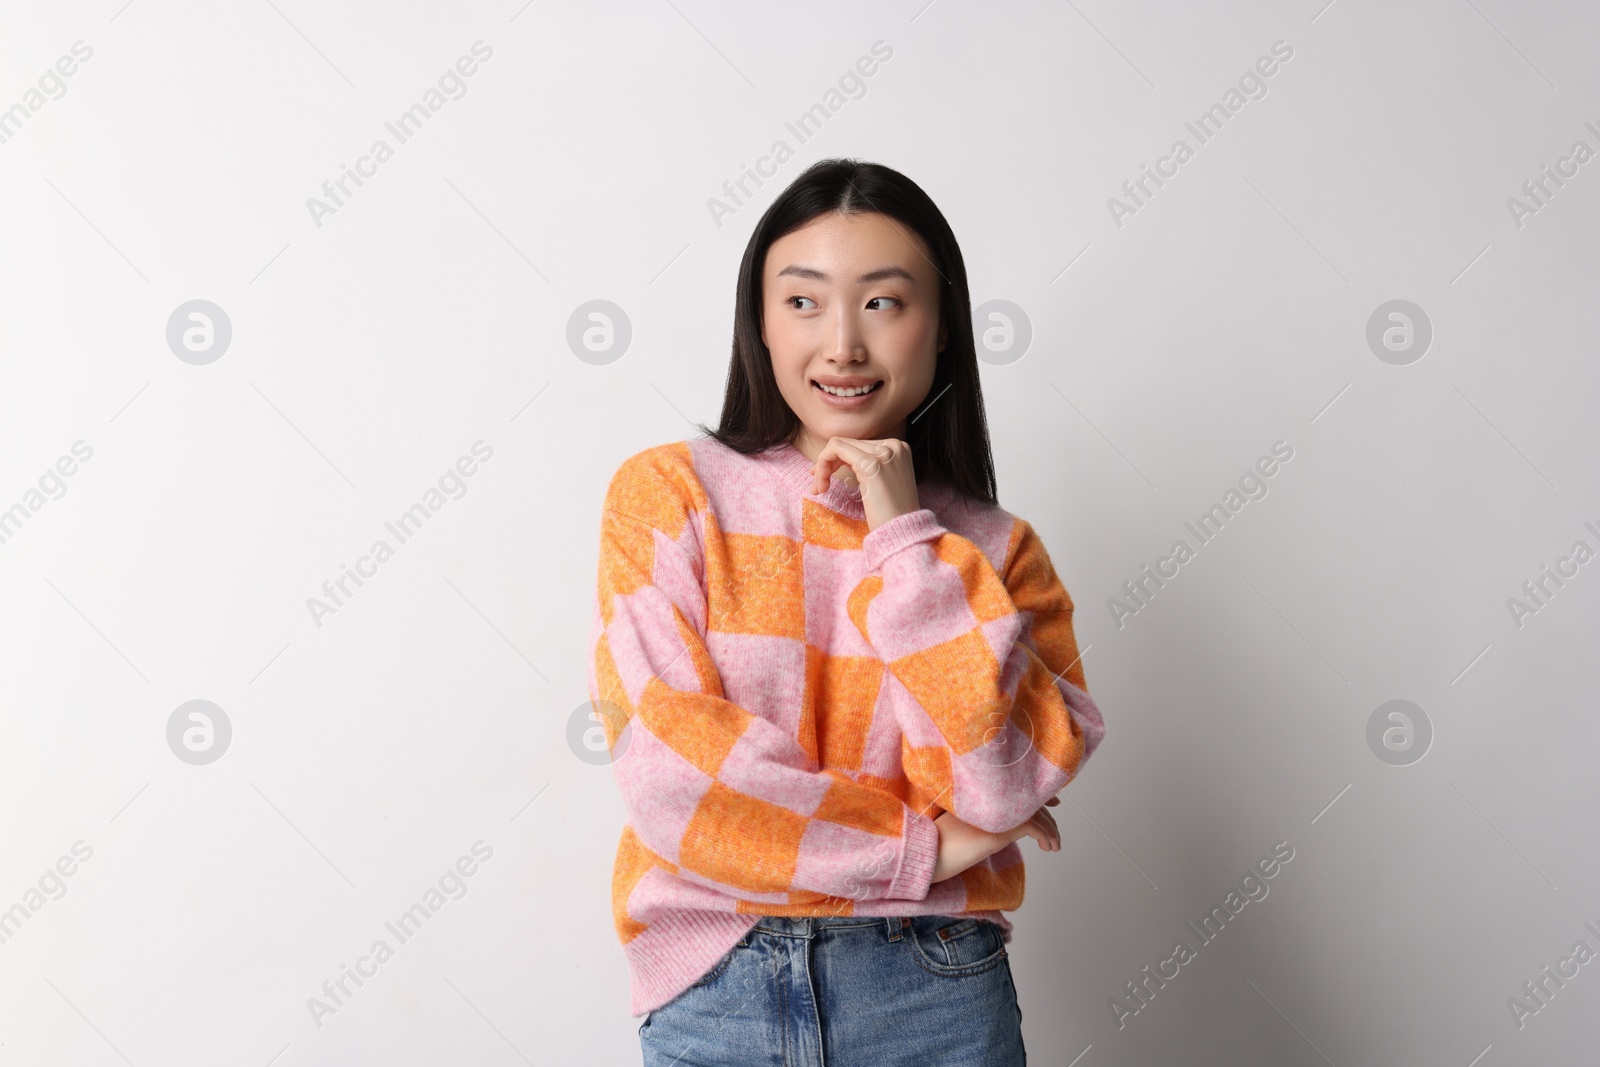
(961, 845)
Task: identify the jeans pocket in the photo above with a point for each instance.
(955, 947)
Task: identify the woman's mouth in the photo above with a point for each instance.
(846, 398)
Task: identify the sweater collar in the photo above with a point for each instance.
(792, 467)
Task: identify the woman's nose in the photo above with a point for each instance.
(847, 335)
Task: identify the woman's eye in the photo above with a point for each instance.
(877, 298)
(794, 298)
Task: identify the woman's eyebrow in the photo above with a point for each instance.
(871, 276)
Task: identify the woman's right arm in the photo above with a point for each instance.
(962, 845)
(726, 796)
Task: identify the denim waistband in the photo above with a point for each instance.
(892, 926)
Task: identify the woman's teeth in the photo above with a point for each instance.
(848, 392)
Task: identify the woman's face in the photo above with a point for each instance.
(851, 300)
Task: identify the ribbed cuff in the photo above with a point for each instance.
(920, 852)
(897, 533)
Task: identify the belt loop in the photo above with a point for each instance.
(894, 924)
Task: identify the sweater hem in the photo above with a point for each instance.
(677, 950)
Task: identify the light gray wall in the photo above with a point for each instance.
(1247, 700)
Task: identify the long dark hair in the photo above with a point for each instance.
(948, 434)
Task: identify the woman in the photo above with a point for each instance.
(839, 682)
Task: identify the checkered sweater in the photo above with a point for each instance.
(791, 700)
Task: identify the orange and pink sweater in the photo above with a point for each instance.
(791, 700)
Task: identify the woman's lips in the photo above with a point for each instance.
(847, 403)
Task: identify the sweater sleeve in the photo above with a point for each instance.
(989, 663)
(724, 794)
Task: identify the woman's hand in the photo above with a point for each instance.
(961, 845)
(881, 467)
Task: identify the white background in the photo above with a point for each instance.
(430, 312)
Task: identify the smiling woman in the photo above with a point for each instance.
(853, 354)
(842, 681)
(854, 278)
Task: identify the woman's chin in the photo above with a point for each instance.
(856, 429)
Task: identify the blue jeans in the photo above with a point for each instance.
(842, 991)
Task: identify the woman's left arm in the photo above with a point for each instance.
(989, 661)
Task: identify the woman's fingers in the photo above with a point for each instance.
(1055, 831)
(830, 459)
(1047, 823)
(845, 452)
(1041, 826)
(882, 468)
(1035, 828)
